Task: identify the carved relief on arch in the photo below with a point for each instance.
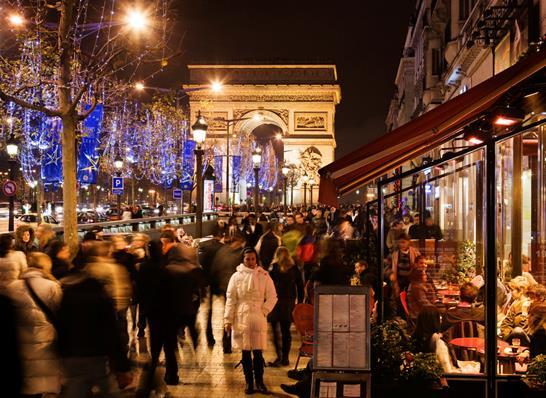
(282, 113)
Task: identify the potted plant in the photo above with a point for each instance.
(421, 374)
(536, 376)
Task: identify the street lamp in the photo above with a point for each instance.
(305, 178)
(118, 165)
(257, 117)
(199, 135)
(12, 148)
(311, 184)
(256, 160)
(284, 170)
(16, 20)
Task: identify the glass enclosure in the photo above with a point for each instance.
(521, 292)
(443, 223)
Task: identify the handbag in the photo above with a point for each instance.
(226, 342)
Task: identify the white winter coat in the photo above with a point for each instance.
(250, 296)
(41, 366)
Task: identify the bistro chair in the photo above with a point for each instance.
(466, 329)
(302, 316)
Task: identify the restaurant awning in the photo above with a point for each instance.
(421, 134)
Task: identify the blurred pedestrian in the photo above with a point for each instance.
(14, 261)
(289, 287)
(60, 256)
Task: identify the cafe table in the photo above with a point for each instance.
(505, 353)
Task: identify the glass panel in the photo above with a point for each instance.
(521, 291)
(434, 269)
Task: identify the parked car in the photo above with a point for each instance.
(33, 220)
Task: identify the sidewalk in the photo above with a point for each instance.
(208, 372)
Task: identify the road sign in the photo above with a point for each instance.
(117, 183)
(177, 194)
(9, 188)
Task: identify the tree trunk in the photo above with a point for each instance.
(70, 190)
(69, 122)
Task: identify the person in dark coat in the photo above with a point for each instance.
(89, 340)
(60, 257)
(24, 240)
(224, 265)
(252, 231)
(289, 286)
(180, 281)
(12, 374)
(464, 311)
(268, 243)
(206, 252)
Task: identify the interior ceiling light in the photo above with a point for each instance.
(508, 116)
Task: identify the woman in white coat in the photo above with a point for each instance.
(250, 297)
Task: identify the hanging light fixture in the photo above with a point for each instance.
(474, 136)
(508, 116)
(12, 146)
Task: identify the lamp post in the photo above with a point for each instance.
(284, 170)
(311, 184)
(256, 160)
(305, 178)
(199, 135)
(12, 148)
(230, 122)
(118, 165)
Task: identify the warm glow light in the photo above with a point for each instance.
(258, 117)
(475, 140)
(278, 136)
(139, 86)
(16, 20)
(9, 120)
(136, 19)
(216, 87)
(504, 121)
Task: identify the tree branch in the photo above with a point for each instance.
(25, 104)
(84, 115)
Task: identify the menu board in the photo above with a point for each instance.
(342, 325)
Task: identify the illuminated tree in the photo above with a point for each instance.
(59, 59)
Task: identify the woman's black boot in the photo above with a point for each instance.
(258, 364)
(247, 370)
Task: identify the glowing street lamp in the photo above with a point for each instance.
(199, 129)
(12, 148)
(139, 86)
(16, 20)
(216, 87)
(285, 170)
(136, 20)
(256, 160)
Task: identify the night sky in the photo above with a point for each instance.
(364, 38)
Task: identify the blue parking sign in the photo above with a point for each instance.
(117, 184)
(177, 194)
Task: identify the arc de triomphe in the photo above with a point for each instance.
(293, 106)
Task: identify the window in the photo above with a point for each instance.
(465, 7)
(436, 62)
(521, 237)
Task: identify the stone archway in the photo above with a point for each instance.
(297, 101)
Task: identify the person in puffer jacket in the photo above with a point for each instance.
(250, 296)
(37, 334)
(24, 240)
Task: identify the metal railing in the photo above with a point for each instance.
(147, 224)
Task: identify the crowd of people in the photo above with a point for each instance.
(69, 309)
